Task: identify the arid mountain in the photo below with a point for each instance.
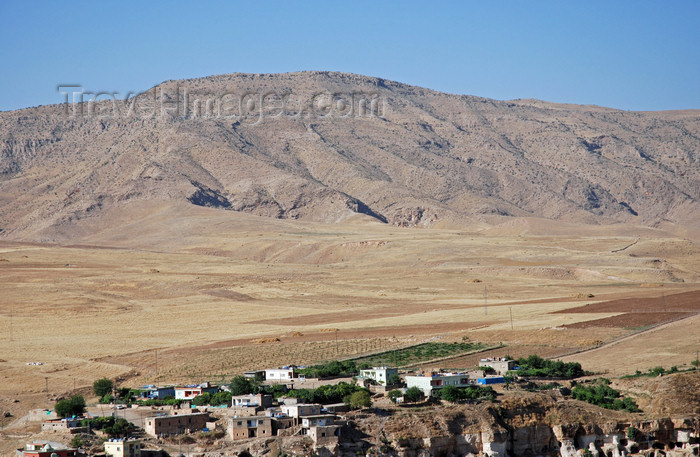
(331, 146)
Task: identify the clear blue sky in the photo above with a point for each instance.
(634, 55)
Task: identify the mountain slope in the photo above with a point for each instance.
(328, 146)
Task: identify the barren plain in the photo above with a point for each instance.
(230, 291)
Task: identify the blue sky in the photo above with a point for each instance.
(633, 55)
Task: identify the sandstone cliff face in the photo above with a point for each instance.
(528, 427)
(328, 146)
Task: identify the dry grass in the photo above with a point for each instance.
(226, 281)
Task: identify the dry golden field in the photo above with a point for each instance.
(208, 293)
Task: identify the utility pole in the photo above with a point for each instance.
(663, 300)
(486, 306)
(511, 317)
(11, 324)
(336, 342)
(47, 388)
(156, 362)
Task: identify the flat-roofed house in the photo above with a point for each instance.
(240, 428)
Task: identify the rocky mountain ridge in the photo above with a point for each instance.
(327, 146)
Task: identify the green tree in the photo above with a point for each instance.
(221, 398)
(394, 394)
(120, 429)
(201, 400)
(413, 394)
(632, 433)
(451, 394)
(102, 387)
(73, 406)
(358, 400)
(240, 385)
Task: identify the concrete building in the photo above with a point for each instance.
(46, 450)
(301, 410)
(123, 448)
(321, 420)
(240, 428)
(280, 374)
(379, 374)
(190, 392)
(158, 393)
(327, 435)
(175, 424)
(255, 374)
(438, 380)
(259, 400)
(500, 364)
(61, 425)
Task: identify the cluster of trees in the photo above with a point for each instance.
(601, 394)
(333, 368)
(73, 406)
(240, 385)
(455, 394)
(216, 399)
(115, 428)
(412, 395)
(326, 394)
(536, 366)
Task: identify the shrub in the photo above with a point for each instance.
(601, 394)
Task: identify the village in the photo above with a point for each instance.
(167, 414)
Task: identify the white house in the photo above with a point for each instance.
(190, 392)
(379, 374)
(437, 381)
(301, 410)
(280, 374)
(251, 400)
(122, 447)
